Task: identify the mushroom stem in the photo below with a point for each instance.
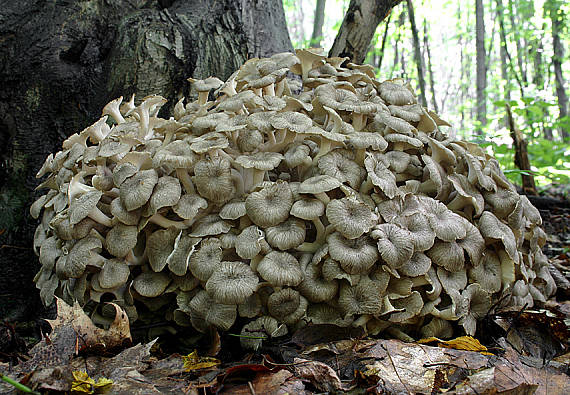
(366, 187)
(323, 197)
(358, 121)
(238, 181)
(97, 215)
(360, 155)
(160, 220)
(287, 139)
(258, 176)
(280, 87)
(269, 90)
(186, 181)
(319, 238)
(112, 109)
(362, 321)
(203, 97)
(132, 260)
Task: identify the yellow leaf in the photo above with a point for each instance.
(466, 343)
(83, 384)
(193, 362)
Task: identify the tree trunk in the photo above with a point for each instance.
(383, 47)
(515, 29)
(557, 24)
(317, 36)
(400, 22)
(503, 51)
(430, 70)
(358, 27)
(60, 62)
(417, 54)
(481, 80)
(521, 155)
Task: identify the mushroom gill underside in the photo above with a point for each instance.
(326, 197)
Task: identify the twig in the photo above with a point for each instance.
(251, 388)
(395, 369)
(18, 386)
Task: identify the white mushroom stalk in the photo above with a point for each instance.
(336, 199)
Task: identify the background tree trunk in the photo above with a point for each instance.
(429, 68)
(481, 80)
(318, 23)
(383, 46)
(60, 62)
(417, 54)
(557, 24)
(358, 27)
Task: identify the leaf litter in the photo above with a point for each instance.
(528, 353)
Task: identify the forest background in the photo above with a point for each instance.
(475, 58)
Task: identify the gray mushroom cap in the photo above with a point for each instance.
(231, 283)
(354, 255)
(286, 235)
(351, 217)
(204, 261)
(150, 284)
(121, 239)
(115, 272)
(269, 206)
(280, 269)
(136, 190)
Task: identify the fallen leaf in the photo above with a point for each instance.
(466, 343)
(194, 362)
(83, 384)
(319, 374)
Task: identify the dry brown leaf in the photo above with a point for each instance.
(321, 375)
(89, 336)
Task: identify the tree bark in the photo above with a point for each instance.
(317, 36)
(481, 80)
(557, 24)
(61, 62)
(358, 27)
(417, 54)
(521, 154)
(400, 22)
(503, 51)
(430, 70)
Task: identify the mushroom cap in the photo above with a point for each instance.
(233, 210)
(350, 217)
(307, 209)
(208, 142)
(449, 255)
(359, 299)
(120, 212)
(178, 259)
(287, 305)
(315, 287)
(204, 261)
(280, 269)
(447, 225)
(354, 255)
(188, 206)
(286, 235)
(114, 273)
(271, 205)
(338, 165)
(231, 283)
(247, 242)
(213, 179)
(319, 184)
(262, 328)
(210, 225)
(166, 193)
(381, 176)
(492, 228)
(475, 305)
(488, 273)
(205, 311)
(136, 190)
(395, 244)
(81, 206)
(394, 92)
(151, 284)
(411, 305)
(452, 280)
(260, 160)
(159, 245)
(416, 266)
(121, 239)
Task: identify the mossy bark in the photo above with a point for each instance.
(62, 61)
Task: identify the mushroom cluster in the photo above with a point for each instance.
(329, 198)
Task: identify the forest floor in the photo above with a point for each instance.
(523, 351)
